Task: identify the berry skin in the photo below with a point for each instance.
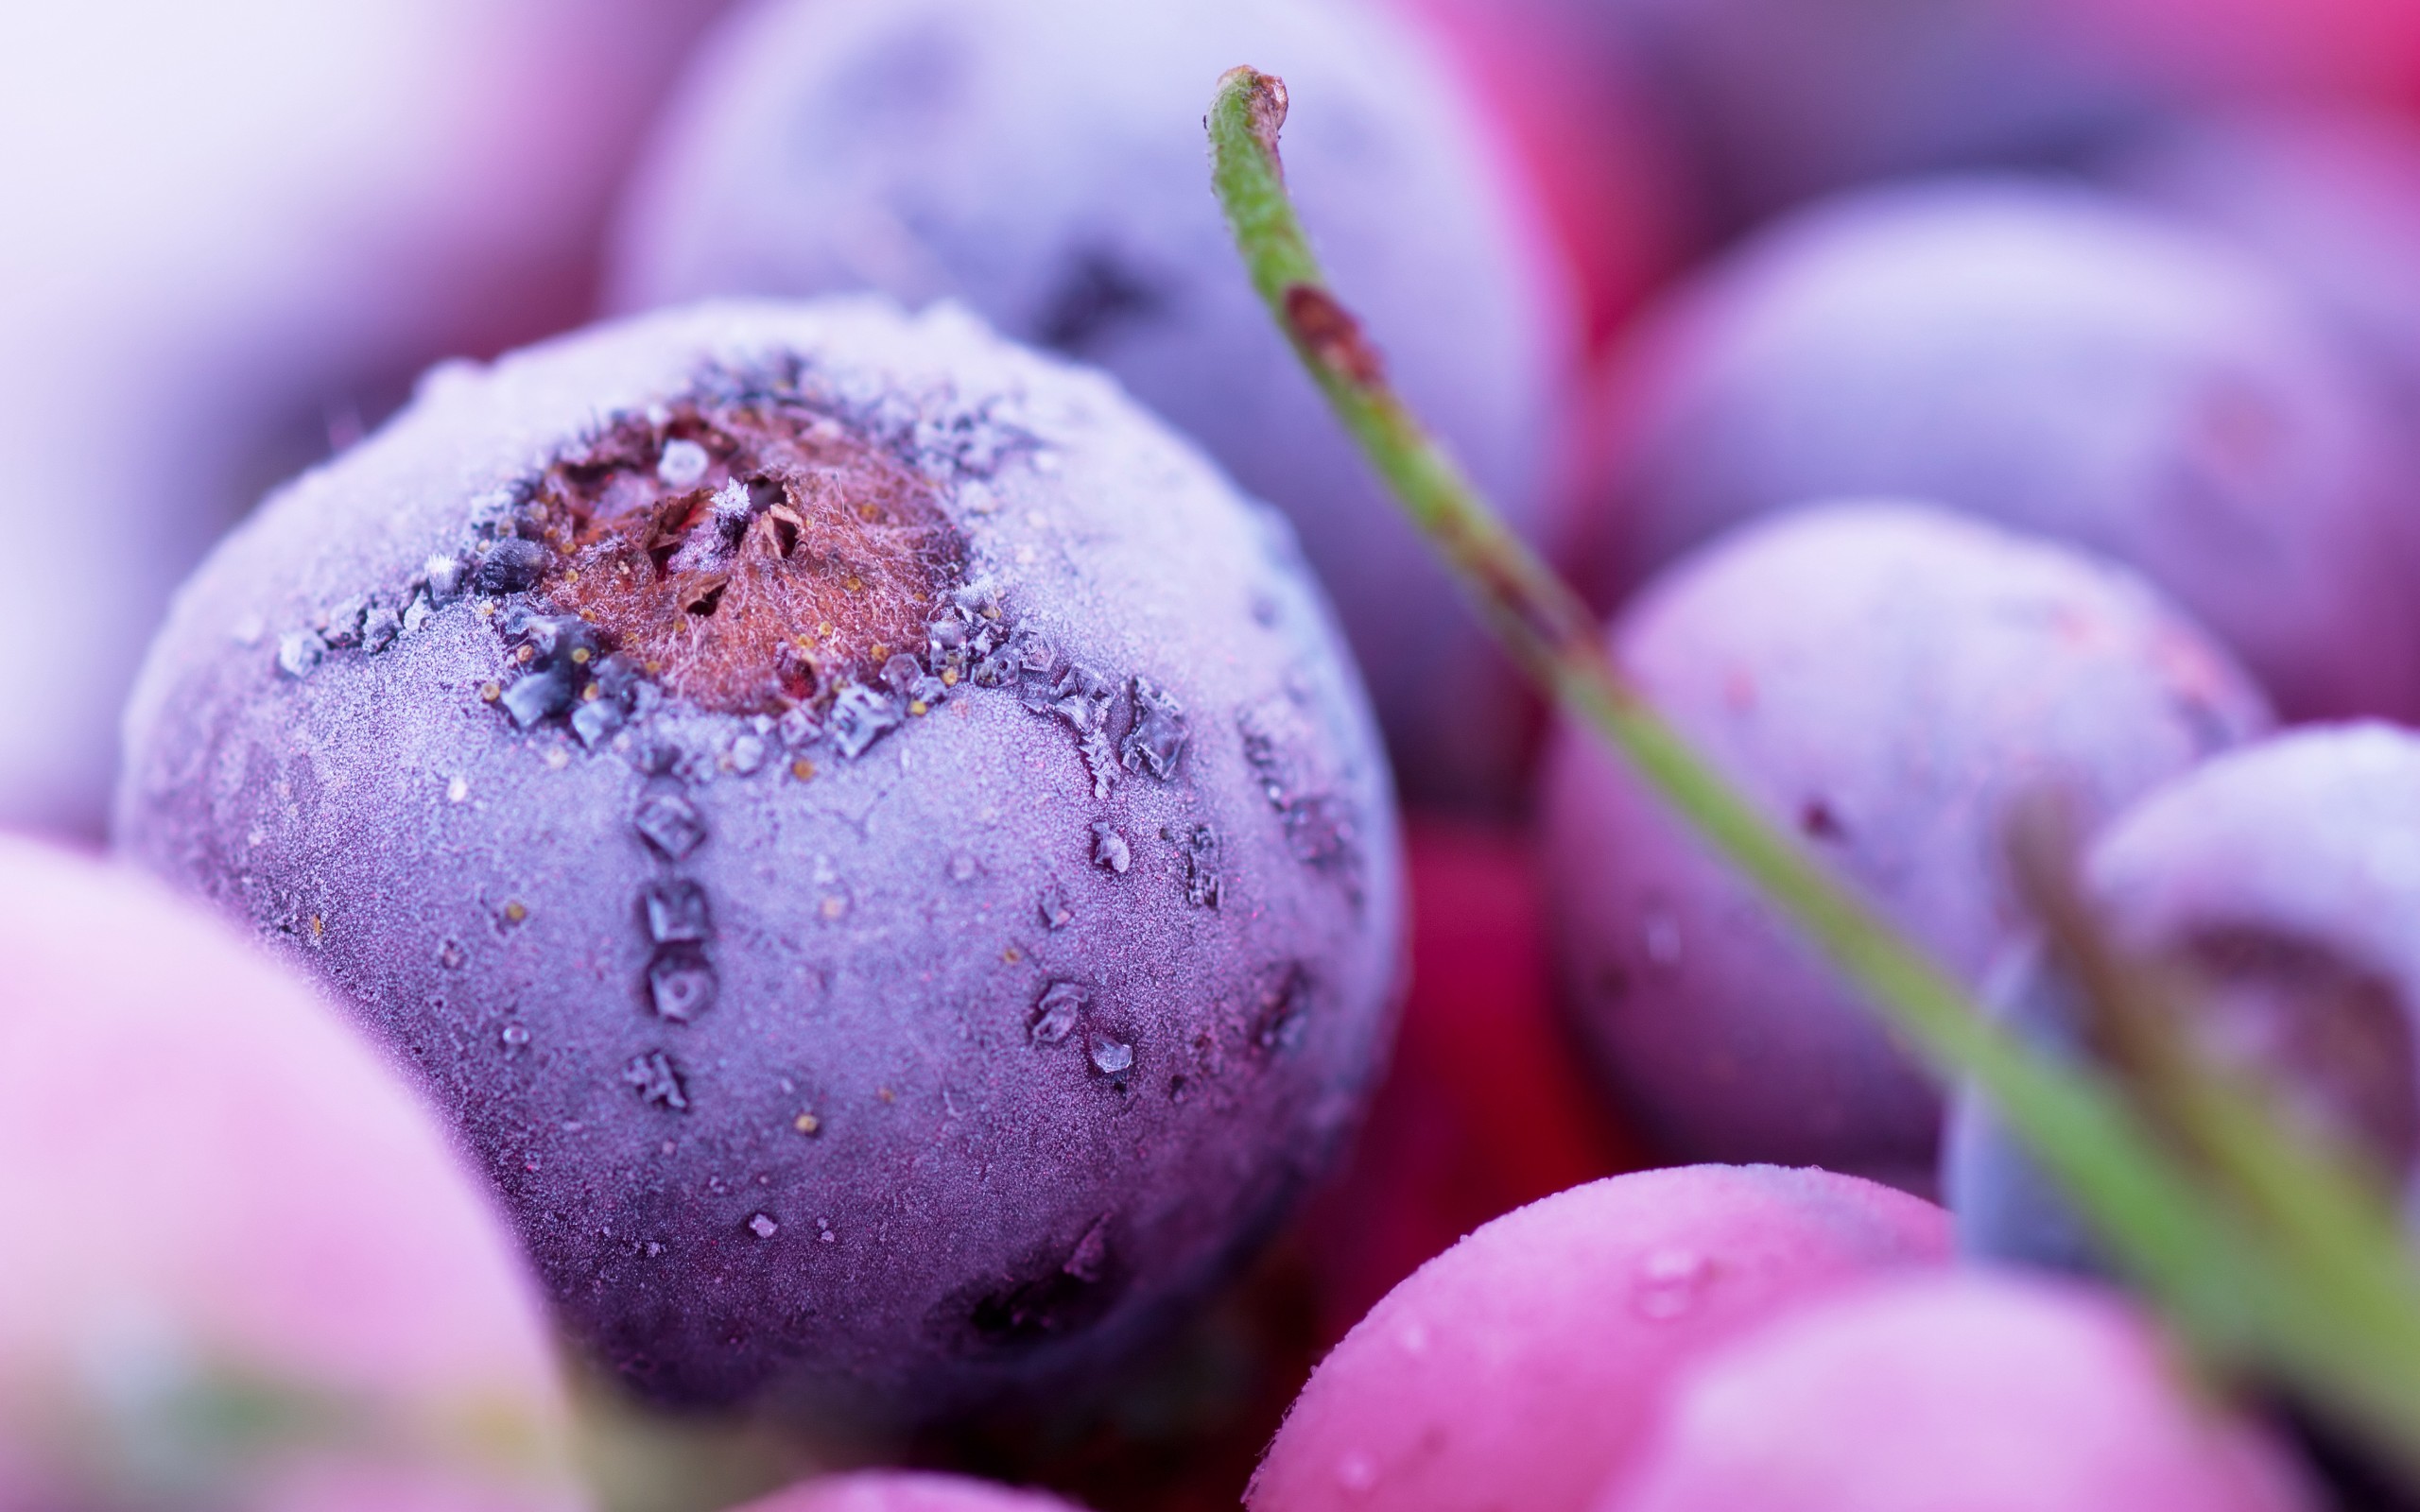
(904, 1492)
(1886, 680)
(2060, 362)
(1043, 162)
(2329, 199)
(223, 1209)
(1983, 1392)
(1520, 1368)
(446, 197)
(1771, 102)
(925, 922)
(2283, 878)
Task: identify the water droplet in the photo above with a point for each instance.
(962, 868)
(797, 727)
(658, 1083)
(675, 912)
(1659, 935)
(299, 652)
(1356, 1472)
(1110, 850)
(538, 696)
(1204, 884)
(457, 789)
(516, 1037)
(763, 1226)
(1056, 913)
(1669, 1283)
(1156, 741)
(1111, 1057)
(681, 984)
(681, 464)
(859, 717)
(671, 824)
(1055, 1016)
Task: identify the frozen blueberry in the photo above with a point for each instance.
(1884, 679)
(2330, 198)
(2281, 879)
(1522, 1367)
(245, 1267)
(1965, 1389)
(1042, 161)
(2059, 361)
(1768, 102)
(999, 1115)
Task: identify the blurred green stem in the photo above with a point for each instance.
(2327, 1304)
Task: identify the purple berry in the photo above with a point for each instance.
(2330, 198)
(1042, 161)
(1522, 1368)
(253, 248)
(1968, 1390)
(2060, 362)
(245, 1268)
(2282, 879)
(821, 1066)
(1768, 102)
(1885, 679)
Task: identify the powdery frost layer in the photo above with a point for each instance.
(922, 1040)
(1886, 680)
(1045, 163)
(1520, 1368)
(243, 1266)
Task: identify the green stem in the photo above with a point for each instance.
(2337, 1329)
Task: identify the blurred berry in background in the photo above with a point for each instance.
(236, 235)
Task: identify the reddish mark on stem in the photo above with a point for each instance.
(1333, 336)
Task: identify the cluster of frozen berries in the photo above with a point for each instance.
(820, 860)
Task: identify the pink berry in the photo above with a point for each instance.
(1976, 1391)
(220, 1203)
(1519, 1368)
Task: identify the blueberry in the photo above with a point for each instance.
(2061, 362)
(1522, 1367)
(2280, 881)
(1042, 162)
(1769, 102)
(226, 1214)
(1884, 679)
(2329, 199)
(773, 955)
(1965, 1389)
